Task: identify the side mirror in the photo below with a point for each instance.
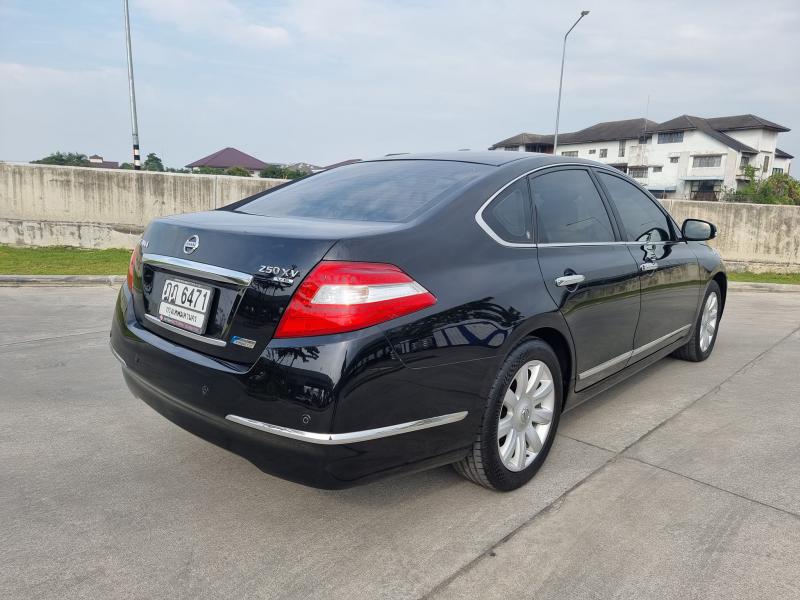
(695, 230)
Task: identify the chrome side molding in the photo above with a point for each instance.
(331, 439)
(197, 269)
(635, 352)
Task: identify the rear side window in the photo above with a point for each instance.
(642, 219)
(569, 209)
(394, 190)
(510, 215)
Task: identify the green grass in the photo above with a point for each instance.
(766, 277)
(62, 260)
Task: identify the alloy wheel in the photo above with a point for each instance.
(526, 415)
(708, 322)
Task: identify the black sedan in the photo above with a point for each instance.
(413, 311)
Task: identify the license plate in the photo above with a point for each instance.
(185, 305)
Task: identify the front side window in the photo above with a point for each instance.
(642, 219)
(569, 209)
(392, 190)
(510, 214)
(670, 137)
(706, 161)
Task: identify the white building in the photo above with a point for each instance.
(685, 157)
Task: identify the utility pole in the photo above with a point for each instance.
(132, 92)
(561, 79)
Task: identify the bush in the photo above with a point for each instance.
(70, 159)
(238, 172)
(778, 188)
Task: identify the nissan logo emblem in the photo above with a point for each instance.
(191, 244)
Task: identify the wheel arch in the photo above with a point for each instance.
(722, 281)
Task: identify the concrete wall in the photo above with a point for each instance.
(101, 208)
(97, 208)
(751, 237)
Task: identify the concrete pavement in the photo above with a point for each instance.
(680, 483)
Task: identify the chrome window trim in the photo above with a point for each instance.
(611, 170)
(192, 336)
(331, 439)
(190, 267)
(627, 355)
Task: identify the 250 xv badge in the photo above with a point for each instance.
(280, 274)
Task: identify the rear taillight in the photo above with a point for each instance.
(344, 296)
(132, 264)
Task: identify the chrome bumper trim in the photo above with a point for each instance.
(330, 439)
(190, 267)
(193, 336)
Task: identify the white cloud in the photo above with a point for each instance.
(220, 19)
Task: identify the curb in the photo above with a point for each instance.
(746, 286)
(60, 280)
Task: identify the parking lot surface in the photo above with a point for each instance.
(683, 482)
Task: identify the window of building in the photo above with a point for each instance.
(510, 214)
(621, 148)
(642, 219)
(670, 137)
(745, 161)
(777, 170)
(656, 169)
(511, 148)
(707, 161)
(766, 164)
(603, 152)
(569, 209)
(592, 151)
(637, 172)
(674, 159)
(645, 139)
(570, 153)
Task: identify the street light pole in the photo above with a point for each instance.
(561, 79)
(134, 123)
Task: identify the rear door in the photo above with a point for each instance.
(587, 269)
(668, 268)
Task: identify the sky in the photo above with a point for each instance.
(323, 81)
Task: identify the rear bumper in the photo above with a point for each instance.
(221, 404)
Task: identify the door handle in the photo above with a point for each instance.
(568, 280)
(648, 266)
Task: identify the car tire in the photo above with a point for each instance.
(503, 462)
(700, 345)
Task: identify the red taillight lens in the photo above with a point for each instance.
(132, 265)
(344, 296)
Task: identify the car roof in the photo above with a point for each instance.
(494, 158)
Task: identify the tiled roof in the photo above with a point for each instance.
(782, 154)
(229, 157)
(632, 128)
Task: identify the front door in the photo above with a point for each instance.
(669, 271)
(589, 273)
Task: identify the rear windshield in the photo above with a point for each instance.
(394, 190)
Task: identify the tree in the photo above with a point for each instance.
(152, 163)
(778, 188)
(280, 172)
(70, 159)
